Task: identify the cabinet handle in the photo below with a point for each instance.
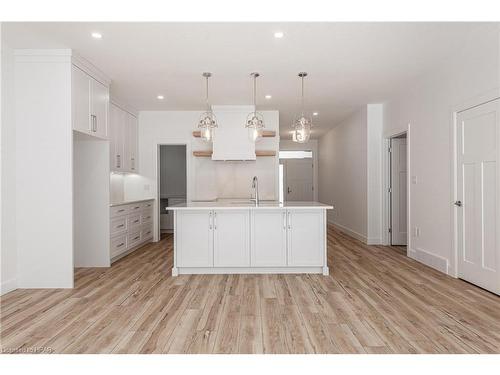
(120, 245)
(118, 161)
(210, 220)
(95, 123)
(136, 221)
(215, 220)
(289, 221)
(284, 220)
(133, 163)
(121, 210)
(136, 238)
(120, 226)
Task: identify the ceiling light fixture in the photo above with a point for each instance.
(96, 35)
(255, 120)
(302, 125)
(268, 96)
(279, 34)
(160, 97)
(207, 122)
(315, 113)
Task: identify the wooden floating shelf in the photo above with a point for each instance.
(265, 134)
(208, 153)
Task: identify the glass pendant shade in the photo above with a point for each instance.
(207, 122)
(302, 125)
(302, 134)
(255, 120)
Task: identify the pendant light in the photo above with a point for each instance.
(207, 122)
(302, 125)
(255, 120)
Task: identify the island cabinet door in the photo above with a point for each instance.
(232, 238)
(305, 237)
(194, 238)
(268, 241)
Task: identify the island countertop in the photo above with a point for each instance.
(239, 204)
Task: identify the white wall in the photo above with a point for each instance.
(207, 179)
(312, 145)
(427, 104)
(342, 154)
(90, 201)
(8, 175)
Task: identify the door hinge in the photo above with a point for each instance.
(390, 190)
(390, 230)
(390, 149)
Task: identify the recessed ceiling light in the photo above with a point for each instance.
(279, 34)
(160, 97)
(97, 35)
(315, 113)
(268, 96)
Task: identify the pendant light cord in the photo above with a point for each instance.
(206, 98)
(302, 95)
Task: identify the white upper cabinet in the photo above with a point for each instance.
(231, 141)
(123, 136)
(132, 142)
(81, 101)
(90, 104)
(99, 108)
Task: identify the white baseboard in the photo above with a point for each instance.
(374, 241)
(432, 260)
(8, 286)
(349, 231)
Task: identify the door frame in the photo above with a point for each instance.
(464, 106)
(386, 181)
(156, 224)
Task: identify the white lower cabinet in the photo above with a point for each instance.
(305, 236)
(194, 238)
(268, 238)
(231, 230)
(130, 227)
(250, 239)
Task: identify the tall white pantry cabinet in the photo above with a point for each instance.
(62, 129)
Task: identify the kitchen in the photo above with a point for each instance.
(160, 195)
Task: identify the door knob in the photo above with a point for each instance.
(458, 203)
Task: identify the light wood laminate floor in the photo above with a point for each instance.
(376, 300)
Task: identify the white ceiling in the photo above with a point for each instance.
(349, 64)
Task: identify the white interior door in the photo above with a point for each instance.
(477, 203)
(398, 192)
(298, 179)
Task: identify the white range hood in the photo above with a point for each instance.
(231, 140)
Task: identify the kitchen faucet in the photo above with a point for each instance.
(255, 186)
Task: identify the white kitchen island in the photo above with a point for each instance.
(239, 237)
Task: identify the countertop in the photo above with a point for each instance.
(131, 201)
(247, 204)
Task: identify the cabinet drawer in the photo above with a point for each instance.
(119, 211)
(133, 221)
(147, 205)
(133, 239)
(118, 225)
(118, 245)
(135, 207)
(147, 232)
(147, 217)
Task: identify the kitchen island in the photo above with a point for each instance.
(227, 237)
